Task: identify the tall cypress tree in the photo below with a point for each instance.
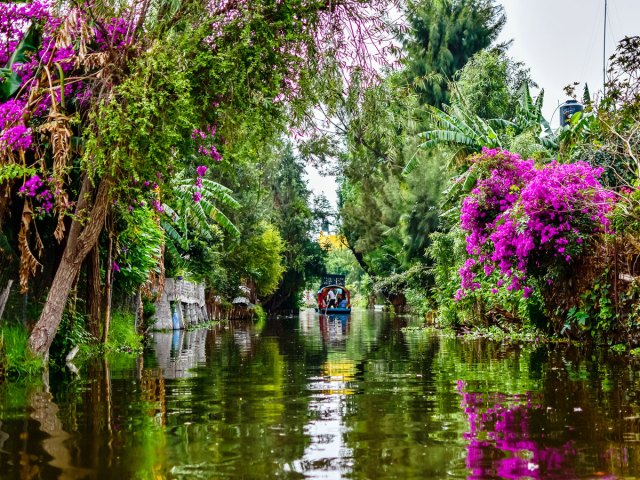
(444, 35)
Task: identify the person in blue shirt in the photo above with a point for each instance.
(343, 303)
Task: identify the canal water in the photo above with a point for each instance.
(365, 396)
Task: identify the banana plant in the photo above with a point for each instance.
(9, 80)
(454, 127)
(467, 133)
(193, 212)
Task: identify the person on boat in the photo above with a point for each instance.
(342, 303)
(331, 295)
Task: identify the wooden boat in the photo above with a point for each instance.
(336, 283)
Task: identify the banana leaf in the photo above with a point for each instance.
(10, 82)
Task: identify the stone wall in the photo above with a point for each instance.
(181, 304)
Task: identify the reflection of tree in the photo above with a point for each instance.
(248, 402)
(45, 411)
(261, 401)
(394, 427)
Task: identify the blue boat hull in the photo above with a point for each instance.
(333, 311)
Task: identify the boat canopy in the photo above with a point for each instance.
(338, 289)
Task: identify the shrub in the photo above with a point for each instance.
(123, 336)
(525, 223)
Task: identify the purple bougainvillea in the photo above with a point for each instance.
(520, 218)
(39, 192)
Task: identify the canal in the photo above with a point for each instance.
(366, 396)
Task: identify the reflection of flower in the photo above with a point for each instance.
(500, 439)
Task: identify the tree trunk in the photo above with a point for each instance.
(108, 284)
(93, 293)
(4, 296)
(80, 242)
(139, 312)
(45, 330)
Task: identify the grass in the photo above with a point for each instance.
(16, 361)
(122, 334)
(15, 356)
(122, 338)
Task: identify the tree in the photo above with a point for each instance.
(99, 98)
(303, 257)
(444, 35)
(489, 85)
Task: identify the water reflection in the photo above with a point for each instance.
(502, 443)
(329, 397)
(328, 455)
(334, 328)
(179, 352)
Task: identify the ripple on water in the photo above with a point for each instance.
(329, 397)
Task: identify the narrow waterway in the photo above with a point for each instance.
(364, 396)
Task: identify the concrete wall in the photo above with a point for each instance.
(183, 300)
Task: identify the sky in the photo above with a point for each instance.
(561, 41)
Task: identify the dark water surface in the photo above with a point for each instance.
(316, 397)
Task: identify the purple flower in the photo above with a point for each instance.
(115, 267)
(158, 206)
(201, 170)
(197, 196)
(520, 217)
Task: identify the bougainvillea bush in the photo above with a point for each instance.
(525, 223)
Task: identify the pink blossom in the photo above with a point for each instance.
(518, 217)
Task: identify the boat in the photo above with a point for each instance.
(335, 283)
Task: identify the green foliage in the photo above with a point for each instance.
(13, 171)
(136, 133)
(489, 85)
(139, 248)
(303, 258)
(10, 82)
(595, 311)
(194, 231)
(445, 35)
(446, 251)
(148, 311)
(15, 357)
(71, 333)
(618, 348)
(264, 258)
(459, 130)
(122, 334)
